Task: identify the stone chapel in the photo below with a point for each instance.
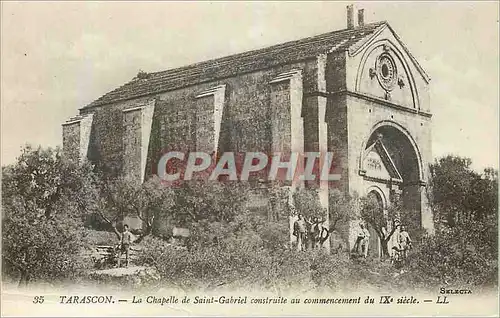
(357, 92)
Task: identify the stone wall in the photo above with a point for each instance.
(76, 137)
(250, 101)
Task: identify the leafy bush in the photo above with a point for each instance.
(233, 267)
(40, 249)
(245, 252)
(460, 193)
(465, 254)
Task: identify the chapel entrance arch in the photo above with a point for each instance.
(391, 161)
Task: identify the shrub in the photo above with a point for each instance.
(39, 249)
(246, 252)
(465, 254)
(330, 271)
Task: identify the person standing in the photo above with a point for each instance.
(404, 241)
(316, 232)
(359, 238)
(299, 230)
(125, 241)
(365, 242)
(311, 234)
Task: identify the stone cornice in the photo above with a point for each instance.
(376, 100)
(391, 181)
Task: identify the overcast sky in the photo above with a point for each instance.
(56, 57)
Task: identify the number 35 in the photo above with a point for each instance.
(38, 300)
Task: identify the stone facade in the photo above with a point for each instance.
(356, 92)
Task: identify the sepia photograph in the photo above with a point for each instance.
(249, 158)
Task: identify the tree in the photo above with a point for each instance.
(279, 207)
(460, 194)
(383, 222)
(43, 177)
(122, 197)
(464, 254)
(306, 201)
(44, 201)
(483, 200)
(152, 199)
(213, 201)
(113, 201)
(342, 208)
(464, 249)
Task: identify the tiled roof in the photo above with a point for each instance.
(239, 63)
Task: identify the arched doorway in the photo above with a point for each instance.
(405, 159)
(391, 162)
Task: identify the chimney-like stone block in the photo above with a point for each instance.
(361, 17)
(350, 16)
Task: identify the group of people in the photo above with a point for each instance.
(362, 244)
(310, 233)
